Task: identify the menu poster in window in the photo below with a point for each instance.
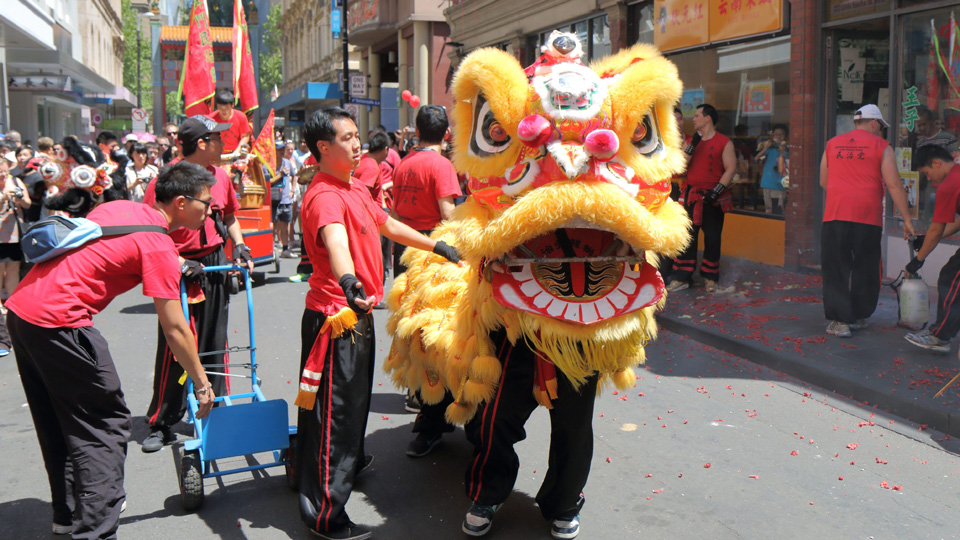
(911, 183)
(690, 100)
(758, 98)
(680, 24)
(904, 158)
(737, 18)
(852, 68)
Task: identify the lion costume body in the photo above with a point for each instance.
(569, 172)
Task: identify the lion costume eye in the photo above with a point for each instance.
(488, 136)
(646, 136)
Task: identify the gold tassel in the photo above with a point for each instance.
(305, 400)
(344, 320)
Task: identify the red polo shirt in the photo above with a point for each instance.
(239, 126)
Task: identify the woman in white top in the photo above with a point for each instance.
(139, 173)
(13, 199)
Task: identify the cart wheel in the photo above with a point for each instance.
(293, 480)
(234, 284)
(191, 481)
(276, 263)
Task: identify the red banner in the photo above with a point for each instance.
(244, 85)
(198, 79)
(264, 147)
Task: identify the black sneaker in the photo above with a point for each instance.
(157, 439)
(350, 532)
(411, 404)
(423, 444)
(367, 461)
(479, 519)
(565, 529)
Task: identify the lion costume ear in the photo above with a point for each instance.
(490, 93)
(643, 88)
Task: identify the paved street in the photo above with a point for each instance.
(707, 445)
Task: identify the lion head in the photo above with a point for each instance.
(569, 170)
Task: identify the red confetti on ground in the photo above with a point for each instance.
(706, 465)
(898, 488)
(640, 394)
(385, 417)
(811, 503)
(794, 453)
(884, 485)
(649, 475)
(658, 491)
(853, 446)
(239, 524)
(609, 460)
(841, 478)
(755, 477)
(853, 462)
(883, 461)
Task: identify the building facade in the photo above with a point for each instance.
(803, 66)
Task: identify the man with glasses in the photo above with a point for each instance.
(171, 154)
(208, 294)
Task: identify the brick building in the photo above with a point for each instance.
(804, 65)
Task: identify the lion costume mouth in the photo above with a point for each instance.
(580, 274)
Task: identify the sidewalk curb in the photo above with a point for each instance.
(910, 409)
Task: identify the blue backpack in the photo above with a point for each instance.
(56, 235)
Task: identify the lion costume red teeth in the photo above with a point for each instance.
(569, 168)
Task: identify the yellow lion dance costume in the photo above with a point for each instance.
(569, 171)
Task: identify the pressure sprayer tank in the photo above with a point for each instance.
(914, 302)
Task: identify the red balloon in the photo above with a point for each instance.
(406, 95)
(414, 101)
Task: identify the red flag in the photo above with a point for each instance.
(264, 147)
(244, 85)
(198, 78)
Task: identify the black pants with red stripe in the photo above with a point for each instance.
(948, 302)
(330, 437)
(499, 425)
(81, 419)
(712, 225)
(850, 255)
(208, 319)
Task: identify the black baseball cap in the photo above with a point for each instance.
(199, 126)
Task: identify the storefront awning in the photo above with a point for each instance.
(24, 25)
(32, 62)
(311, 91)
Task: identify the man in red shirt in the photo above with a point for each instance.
(65, 366)
(711, 164)
(239, 133)
(370, 174)
(854, 170)
(199, 137)
(936, 163)
(341, 228)
(425, 183)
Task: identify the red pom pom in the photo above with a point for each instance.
(602, 144)
(414, 101)
(535, 130)
(406, 95)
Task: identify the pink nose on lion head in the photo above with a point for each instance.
(602, 144)
(535, 130)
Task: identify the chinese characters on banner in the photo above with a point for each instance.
(738, 18)
(688, 23)
(758, 98)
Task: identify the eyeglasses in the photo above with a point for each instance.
(171, 134)
(206, 203)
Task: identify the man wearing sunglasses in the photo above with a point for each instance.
(208, 294)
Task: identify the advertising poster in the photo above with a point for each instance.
(680, 24)
(758, 98)
(690, 100)
(911, 183)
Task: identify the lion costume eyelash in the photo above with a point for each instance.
(569, 169)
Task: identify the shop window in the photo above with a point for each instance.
(928, 111)
(641, 23)
(749, 84)
(593, 33)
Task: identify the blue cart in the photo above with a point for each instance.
(233, 429)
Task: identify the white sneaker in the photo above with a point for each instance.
(678, 286)
(62, 529)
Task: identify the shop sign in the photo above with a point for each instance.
(731, 19)
(843, 9)
(681, 24)
(362, 12)
(910, 105)
(757, 98)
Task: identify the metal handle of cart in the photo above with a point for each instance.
(245, 274)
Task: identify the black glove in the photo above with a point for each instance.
(694, 141)
(191, 270)
(446, 251)
(914, 265)
(242, 252)
(711, 196)
(918, 241)
(349, 282)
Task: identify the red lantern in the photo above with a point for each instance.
(414, 101)
(406, 95)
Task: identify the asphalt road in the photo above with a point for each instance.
(707, 445)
